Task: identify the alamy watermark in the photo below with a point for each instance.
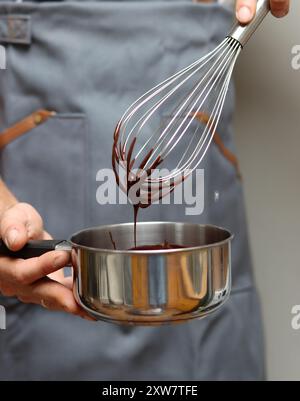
(296, 317)
(2, 318)
(296, 57)
(2, 58)
(187, 189)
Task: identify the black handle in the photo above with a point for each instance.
(32, 249)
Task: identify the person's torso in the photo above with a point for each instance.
(88, 61)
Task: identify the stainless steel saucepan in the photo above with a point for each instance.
(146, 287)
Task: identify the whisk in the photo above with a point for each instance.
(173, 123)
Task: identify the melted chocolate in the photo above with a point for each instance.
(158, 247)
(112, 240)
(118, 156)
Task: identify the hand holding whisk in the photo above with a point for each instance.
(142, 142)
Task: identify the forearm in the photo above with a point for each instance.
(7, 198)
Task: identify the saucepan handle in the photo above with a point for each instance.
(35, 248)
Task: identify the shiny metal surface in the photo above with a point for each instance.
(64, 246)
(176, 144)
(151, 287)
(242, 33)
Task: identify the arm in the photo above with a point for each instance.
(245, 9)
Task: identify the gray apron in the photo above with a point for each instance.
(88, 61)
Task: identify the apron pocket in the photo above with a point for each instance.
(46, 167)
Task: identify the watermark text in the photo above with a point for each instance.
(296, 317)
(2, 58)
(2, 318)
(296, 57)
(185, 190)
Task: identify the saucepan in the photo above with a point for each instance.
(146, 287)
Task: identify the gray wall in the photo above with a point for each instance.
(268, 141)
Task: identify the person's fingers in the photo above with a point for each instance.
(67, 282)
(59, 274)
(46, 235)
(16, 275)
(51, 295)
(24, 272)
(245, 10)
(280, 8)
(19, 224)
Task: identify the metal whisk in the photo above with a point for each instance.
(162, 127)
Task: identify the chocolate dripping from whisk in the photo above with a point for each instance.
(119, 155)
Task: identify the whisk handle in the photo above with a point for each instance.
(243, 33)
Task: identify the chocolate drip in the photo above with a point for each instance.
(158, 247)
(120, 157)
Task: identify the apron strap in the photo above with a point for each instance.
(23, 126)
(231, 157)
(227, 154)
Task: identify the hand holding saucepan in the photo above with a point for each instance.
(114, 280)
(38, 280)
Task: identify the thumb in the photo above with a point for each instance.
(245, 10)
(19, 224)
